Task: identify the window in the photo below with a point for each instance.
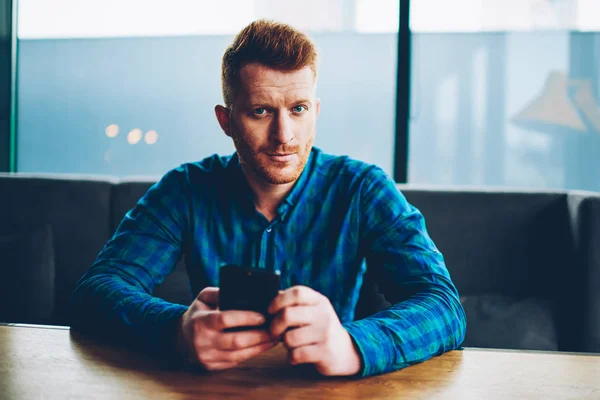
(505, 93)
(127, 87)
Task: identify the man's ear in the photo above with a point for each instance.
(223, 116)
(318, 105)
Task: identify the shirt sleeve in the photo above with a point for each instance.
(426, 318)
(114, 298)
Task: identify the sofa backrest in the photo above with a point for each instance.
(527, 265)
(58, 223)
(176, 287)
(512, 258)
(585, 208)
(499, 243)
(511, 255)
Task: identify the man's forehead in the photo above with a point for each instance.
(290, 95)
(256, 78)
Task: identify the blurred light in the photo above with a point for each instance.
(134, 136)
(112, 130)
(151, 137)
(107, 156)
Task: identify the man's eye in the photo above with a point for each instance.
(298, 109)
(260, 111)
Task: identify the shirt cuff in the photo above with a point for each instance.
(375, 348)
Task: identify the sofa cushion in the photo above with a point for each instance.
(176, 287)
(77, 208)
(506, 322)
(27, 284)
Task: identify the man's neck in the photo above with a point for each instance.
(267, 196)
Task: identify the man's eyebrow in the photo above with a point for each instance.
(259, 102)
(302, 101)
(264, 101)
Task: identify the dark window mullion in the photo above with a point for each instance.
(7, 51)
(13, 86)
(402, 94)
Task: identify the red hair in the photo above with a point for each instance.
(273, 44)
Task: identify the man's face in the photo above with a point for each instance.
(273, 121)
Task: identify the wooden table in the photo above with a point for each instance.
(43, 362)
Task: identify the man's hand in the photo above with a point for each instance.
(312, 332)
(200, 334)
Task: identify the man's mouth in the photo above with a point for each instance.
(281, 157)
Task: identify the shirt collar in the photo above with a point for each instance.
(294, 195)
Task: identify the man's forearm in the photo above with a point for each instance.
(112, 306)
(428, 324)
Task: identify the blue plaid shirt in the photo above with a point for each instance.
(339, 213)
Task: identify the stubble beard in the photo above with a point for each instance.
(260, 165)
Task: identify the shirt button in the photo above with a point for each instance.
(269, 230)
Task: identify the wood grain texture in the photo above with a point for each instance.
(53, 363)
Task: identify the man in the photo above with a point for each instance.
(277, 203)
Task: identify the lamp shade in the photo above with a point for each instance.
(553, 110)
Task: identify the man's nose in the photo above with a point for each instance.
(281, 131)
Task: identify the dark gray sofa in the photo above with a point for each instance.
(527, 264)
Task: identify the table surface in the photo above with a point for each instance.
(48, 362)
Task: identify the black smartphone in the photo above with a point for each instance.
(248, 289)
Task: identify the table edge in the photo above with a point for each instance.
(466, 349)
(557, 352)
(35, 326)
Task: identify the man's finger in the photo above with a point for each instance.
(242, 340)
(236, 318)
(304, 336)
(292, 317)
(219, 366)
(239, 356)
(209, 296)
(306, 355)
(295, 296)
